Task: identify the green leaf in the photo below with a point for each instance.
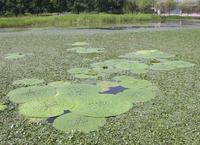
(2, 107)
(47, 107)
(80, 44)
(103, 105)
(72, 122)
(171, 65)
(26, 94)
(86, 50)
(17, 55)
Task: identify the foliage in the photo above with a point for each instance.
(28, 82)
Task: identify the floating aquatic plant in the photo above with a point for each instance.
(26, 94)
(130, 82)
(47, 107)
(17, 55)
(83, 73)
(72, 122)
(119, 65)
(103, 105)
(148, 54)
(106, 85)
(171, 65)
(138, 95)
(2, 107)
(58, 84)
(86, 50)
(80, 44)
(78, 92)
(28, 82)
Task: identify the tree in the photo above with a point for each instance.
(143, 4)
(170, 5)
(130, 6)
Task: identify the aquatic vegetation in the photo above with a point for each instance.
(78, 92)
(119, 65)
(86, 50)
(103, 105)
(29, 82)
(74, 122)
(46, 107)
(26, 94)
(80, 44)
(2, 107)
(171, 65)
(17, 55)
(83, 73)
(58, 84)
(106, 85)
(130, 82)
(148, 54)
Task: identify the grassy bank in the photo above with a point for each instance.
(73, 20)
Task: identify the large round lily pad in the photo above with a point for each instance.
(73, 122)
(2, 107)
(78, 92)
(26, 94)
(130, 82)
(83, 73)
(119, 65)
(103, 105)
(106, 85)
(86, 50)
(136, 95)
(29, 82)
(148, 54)
(47, 107)
(171, 65)
(80, 44)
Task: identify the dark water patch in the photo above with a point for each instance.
(52, 119)
(114, 90)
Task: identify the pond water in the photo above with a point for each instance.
(143, 26)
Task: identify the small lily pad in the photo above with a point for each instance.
(47, 107)
(148, 54)
(72, 122)
(86, 50)
(2, 107)
(171, 65)
(103, 105)
(26, 94)
(28, 82)
(80, 44)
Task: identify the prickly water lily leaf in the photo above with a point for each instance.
(2, 107)
(148, 54)
(83, 73)
(72, 122)
(35, 120)
(80, 44)
(120, 65)
(103, 105)
(17, 55)
(58, 84)
(47, 107)
(130, 82)
(86, 50)
(136, 95)
(78, 92)
(26, 94)
(106, 85)
(28, 82)
(171, 65)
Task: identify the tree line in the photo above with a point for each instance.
(21, 7)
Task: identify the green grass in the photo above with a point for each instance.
(73, 20)
(173, 117)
